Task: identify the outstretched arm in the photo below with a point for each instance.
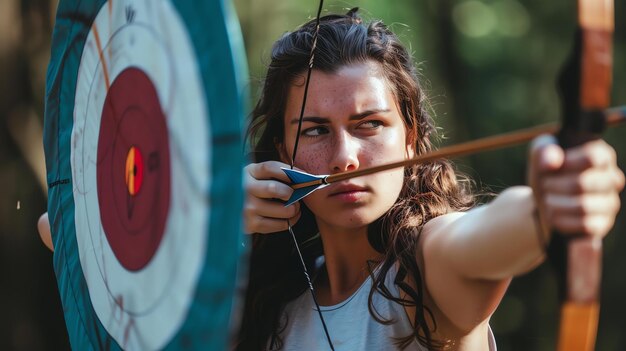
(470, 258)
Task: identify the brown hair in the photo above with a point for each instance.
(429, 190)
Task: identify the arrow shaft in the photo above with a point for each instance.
(613, 116)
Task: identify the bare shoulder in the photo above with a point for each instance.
(433, 232)
(432, 238)
(461, 306)
(438, 223)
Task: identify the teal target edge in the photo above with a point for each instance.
(215, 34)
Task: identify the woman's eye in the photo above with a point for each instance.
(370, 124)
(314, 131)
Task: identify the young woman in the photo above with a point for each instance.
(407, 262)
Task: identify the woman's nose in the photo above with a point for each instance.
(345, 153)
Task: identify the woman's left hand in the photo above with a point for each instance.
(576, 190)
(43, 226)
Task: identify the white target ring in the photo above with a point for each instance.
(138, 89)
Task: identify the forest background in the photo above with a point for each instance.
(489, 66)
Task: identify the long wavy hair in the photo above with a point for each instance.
(429, 190)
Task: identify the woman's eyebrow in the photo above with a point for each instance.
(364, 114)
(355, 117)
(314, 119)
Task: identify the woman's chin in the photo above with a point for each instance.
(347, 220)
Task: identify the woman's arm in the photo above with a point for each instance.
(495, 241)
(470, 258)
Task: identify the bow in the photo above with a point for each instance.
(586, 86)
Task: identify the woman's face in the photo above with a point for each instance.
(351, 121)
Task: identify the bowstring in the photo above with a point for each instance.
(293, 161)
(306, 83)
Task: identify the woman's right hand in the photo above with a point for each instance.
(265, 184)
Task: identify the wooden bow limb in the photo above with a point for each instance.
(586, 87)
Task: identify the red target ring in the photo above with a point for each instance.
(133, 169)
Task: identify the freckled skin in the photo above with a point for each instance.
(340, 142)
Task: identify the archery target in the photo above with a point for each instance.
(140, 160)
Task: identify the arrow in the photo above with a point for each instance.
(301, 181)
(304, 183)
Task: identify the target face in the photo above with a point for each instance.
(140, 157)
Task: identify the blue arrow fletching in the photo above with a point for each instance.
(302, 192)
(298, 177)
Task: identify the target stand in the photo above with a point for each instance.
(143, 142)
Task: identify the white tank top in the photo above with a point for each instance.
(350, 325)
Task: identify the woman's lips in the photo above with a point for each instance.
(348, 192)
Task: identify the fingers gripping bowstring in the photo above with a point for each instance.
(293, 161)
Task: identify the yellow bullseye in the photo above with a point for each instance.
(134, 171)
